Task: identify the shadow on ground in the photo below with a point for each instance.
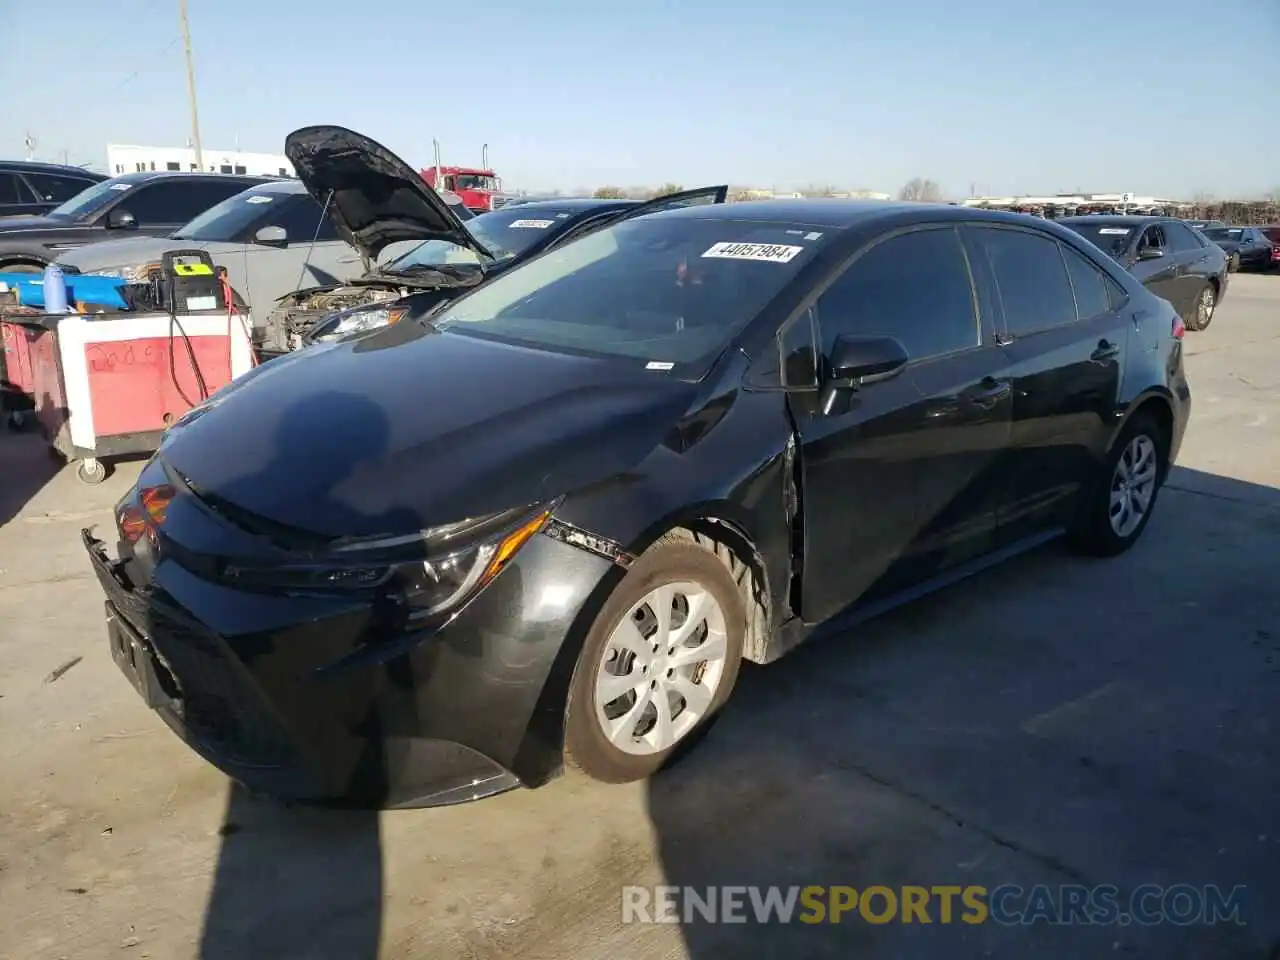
(1055, 721)
(26, 465)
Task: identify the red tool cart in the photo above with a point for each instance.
(15, 370)
(111, 386)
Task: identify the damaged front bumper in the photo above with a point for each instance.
(289, 696)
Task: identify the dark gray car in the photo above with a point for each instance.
(1171, 259)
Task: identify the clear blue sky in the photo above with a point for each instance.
(1172, 97)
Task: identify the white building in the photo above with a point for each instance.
(129, 158)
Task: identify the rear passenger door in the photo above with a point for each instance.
(1192, 259)
(161, 208)
(1064, 341)
(898, 476)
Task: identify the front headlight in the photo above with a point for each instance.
(358, 321)
(427, 574)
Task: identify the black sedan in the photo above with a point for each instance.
(550, 520)
(136, 204)
(378, 202)
(1252, 248)
(1171, 259)
(28, 188)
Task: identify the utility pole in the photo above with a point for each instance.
(191, 84)
(30, 143)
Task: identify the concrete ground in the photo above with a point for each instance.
(1055, 721)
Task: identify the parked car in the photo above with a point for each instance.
(153, 204)
(1173, 260)
(550, 519)
(1249, 247)
(28, 188)
(379, 200)
(1204, 224)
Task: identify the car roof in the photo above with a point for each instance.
(571, 204)
(147, 176)
(276, 186)
(1122, 220)
(37, 166)
(840, 215)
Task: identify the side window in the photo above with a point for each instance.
(1180, 238)
(54, 189)
(1152, 237)
(1031, 278)
(12, 189)
(915, 287)
(1093, 298)
(178, 201)
(300, 216)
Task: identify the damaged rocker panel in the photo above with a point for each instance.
(577, 537)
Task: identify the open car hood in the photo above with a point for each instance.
(377, 199)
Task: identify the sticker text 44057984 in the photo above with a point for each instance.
(771, 252)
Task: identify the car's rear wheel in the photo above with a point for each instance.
(661, 658)
(1206, 303)
(1122, 503)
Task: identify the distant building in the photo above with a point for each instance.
(129, 158)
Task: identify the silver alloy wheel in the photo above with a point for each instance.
(1204, 309)
(661, 668)
(1133, 484)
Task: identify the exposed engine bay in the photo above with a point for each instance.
(297, 313)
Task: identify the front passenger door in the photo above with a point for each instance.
(1159, 274)
(898, 476)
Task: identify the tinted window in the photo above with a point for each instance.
(1180, 237)
(1110, 238)
(1032, 280)
(791, 358)
(55, 189)
(1093, 298)
(301, 218)
(914, 287)
(1152, 237)
(668, 292)
(12, 189)
(178, 201)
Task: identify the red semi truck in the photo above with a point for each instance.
(479, 189)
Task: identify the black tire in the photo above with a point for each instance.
(586, 747)
(1206, 306)
(22, 267)
(1094, 533)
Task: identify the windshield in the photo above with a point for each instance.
(670, 292)
(229, 219)
(89, 201)
(1107, 237)
(506, 232)
(473, 181)
(1223, 233)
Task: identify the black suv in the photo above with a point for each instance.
(153, 204)
(28, 188)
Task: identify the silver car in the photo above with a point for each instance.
(272, 238)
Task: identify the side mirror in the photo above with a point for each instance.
(121, 219)
(856, 361)
(1150, 253)
(272, 236)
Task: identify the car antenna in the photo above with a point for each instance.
(324, 212)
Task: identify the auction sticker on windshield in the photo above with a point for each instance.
(772, 252)
(532, 224)
(1114, 231)
(257, 198)
(121, 186)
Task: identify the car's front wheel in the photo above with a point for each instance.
(661, 658)
(1122, 503)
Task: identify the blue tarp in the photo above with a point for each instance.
(84, 289)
